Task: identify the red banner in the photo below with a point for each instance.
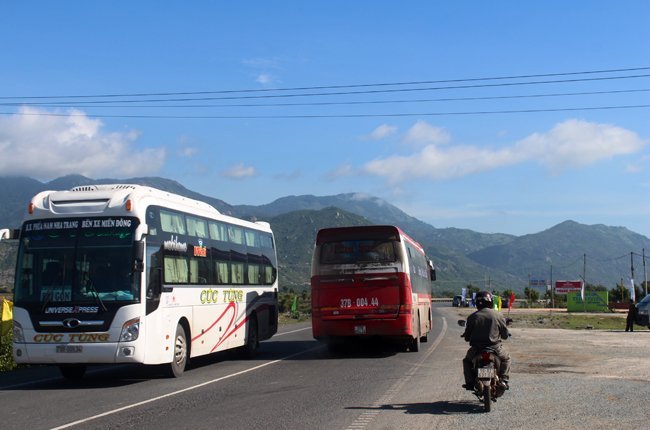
(563, 287)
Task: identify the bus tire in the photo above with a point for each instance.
(252, 339)
(73, 373)
(179, 359)
(425, 337)
(414, 345)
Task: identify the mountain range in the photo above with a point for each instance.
(569, 250)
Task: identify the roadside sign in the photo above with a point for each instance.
(537, 283)
(595, 301)
(564, 287)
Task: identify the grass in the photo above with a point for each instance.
(560, 318)
(572, 321)
(285, 318)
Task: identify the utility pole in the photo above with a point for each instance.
(645, 274)
(584, 282)
(552, 289)
(632, 273)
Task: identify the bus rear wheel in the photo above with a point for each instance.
(179, 360)
(414, 345)
(252, 339)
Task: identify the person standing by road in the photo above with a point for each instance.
(631, 316)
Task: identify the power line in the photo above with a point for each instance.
(348, 93)
(379, 115)
(345, 103)
(427, 82)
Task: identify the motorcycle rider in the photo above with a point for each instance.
(485, 328)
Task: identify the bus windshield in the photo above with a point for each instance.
(77, 261)
(357, 251)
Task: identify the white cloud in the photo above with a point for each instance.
(569, 144)
(579, 143)
(46, 145)
(264, 79)
(262, 67)
(342, 171)
(239, 171)
(185, 148)
(423, 133)
(381, 132)
(187, 151)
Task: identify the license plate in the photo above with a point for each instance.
(486, 372)
(67, 349)
(359, 329)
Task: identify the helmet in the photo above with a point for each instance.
(483, 299)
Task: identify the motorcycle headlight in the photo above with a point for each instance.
(130, 330)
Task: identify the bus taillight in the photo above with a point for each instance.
(406, 308)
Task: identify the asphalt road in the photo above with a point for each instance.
(296, 383)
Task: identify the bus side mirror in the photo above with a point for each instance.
(9, 234)
(138, 256)
(432, 270)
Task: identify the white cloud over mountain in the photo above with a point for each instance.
(568, 144)
(46, 145)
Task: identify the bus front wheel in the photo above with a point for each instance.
(179, 360)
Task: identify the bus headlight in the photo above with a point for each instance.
(130, 330)
(19, 336)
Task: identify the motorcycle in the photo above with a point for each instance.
(488, 387)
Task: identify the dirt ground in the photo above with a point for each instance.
(611, 354)
(599, 353)
(605, 353)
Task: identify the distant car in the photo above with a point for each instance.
(458, 302)
(642, 310)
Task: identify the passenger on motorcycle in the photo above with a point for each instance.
(485, 328)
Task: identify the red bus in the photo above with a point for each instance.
(370, 281)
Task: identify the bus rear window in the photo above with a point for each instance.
(357, 251)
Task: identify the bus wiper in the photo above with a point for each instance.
(96, 294)
(48, 299)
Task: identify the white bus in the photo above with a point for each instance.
(131, 274)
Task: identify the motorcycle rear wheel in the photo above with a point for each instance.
(487, 399)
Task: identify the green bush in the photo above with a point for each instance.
(6, 358)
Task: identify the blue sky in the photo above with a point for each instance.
(434, 152)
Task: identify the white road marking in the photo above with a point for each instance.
(293, 331)
(174, 393)
(90, 372)
(365, 419)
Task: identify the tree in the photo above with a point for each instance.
(531, 294)
(471, 289)
(621, 293)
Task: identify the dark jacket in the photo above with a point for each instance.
(485, 327)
